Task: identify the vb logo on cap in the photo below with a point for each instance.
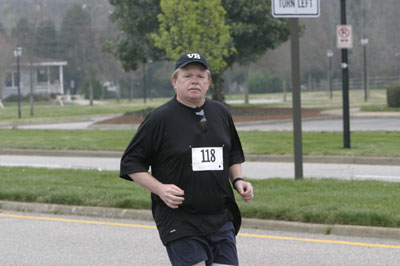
(189, 58)
(196, 56)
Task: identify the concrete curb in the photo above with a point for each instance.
(341, 230)
(249, 157)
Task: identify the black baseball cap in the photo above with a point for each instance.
(189, 58)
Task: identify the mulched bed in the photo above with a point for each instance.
(239, 114)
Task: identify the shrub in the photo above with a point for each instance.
(393, 95)
(263, 82)
(98, 90)
(36, 98)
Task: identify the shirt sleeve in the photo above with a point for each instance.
(137, 156)
(236, 154)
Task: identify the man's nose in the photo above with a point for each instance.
(195, 80)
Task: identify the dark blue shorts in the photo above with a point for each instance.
(219, 247)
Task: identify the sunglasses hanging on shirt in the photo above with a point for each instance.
(203, 120)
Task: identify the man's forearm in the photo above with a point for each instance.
(235, 171)
(147, 181)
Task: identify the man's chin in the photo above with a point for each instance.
(195, 95)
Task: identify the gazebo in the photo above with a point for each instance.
(46, 75)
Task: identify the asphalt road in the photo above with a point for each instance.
(47, 240)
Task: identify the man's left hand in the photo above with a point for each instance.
(245, 190)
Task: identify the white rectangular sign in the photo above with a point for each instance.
(344, 36)
(295, 8)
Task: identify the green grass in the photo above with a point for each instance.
(71, 187)
(379, 108)
(321, 99)
(371, 143)
(367, 143)
(66, 139)
(50, 111)
(327, 201)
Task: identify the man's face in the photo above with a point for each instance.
(191, 85)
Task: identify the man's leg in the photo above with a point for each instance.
(224, 246)
(189, 251)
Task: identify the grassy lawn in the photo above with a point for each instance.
(52, 110)
(370, 203)
(321, 99)
(377, 143)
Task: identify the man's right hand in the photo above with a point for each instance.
(171, 195)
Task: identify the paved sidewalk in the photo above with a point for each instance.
(256, 167)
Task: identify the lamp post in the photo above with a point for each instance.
(364, 42)
(329, 53)
(17, 54)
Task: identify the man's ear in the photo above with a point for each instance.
(173, 81)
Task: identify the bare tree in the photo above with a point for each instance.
(6, 51)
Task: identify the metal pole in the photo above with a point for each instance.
(31, 87)
(364, 43)
(329, 53)
(345, 84)
(144, 82)
(330, 78)
(297, 131)
(19, 88)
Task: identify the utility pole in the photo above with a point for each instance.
(345, 83)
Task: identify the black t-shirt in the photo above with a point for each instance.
(172, 142)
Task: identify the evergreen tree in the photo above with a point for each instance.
(76, 44)
(22, 33)
(2, 29)
(46, 40)
(138, 20)
(253, 29)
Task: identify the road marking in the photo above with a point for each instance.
(240, 234)
(75, 221)
(320, 241)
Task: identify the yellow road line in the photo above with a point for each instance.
(240, 234)
(75, 221)
(320, 241)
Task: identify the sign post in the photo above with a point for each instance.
(345, 77)
(294, 10)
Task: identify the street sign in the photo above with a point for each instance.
(295, 8)
(344, 37)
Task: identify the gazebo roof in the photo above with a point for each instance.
(40, 61)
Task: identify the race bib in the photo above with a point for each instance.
(207, 159)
